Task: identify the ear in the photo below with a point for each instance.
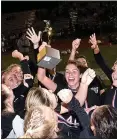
(92, 128)
(81, 75)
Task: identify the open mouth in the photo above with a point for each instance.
(71, 80)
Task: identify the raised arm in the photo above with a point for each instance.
(75, 45)
(81, 95)
(98, 57)
(27, 77)
(41, 75)
(86, 79)
(35, 39)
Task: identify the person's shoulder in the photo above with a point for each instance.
(59, 74)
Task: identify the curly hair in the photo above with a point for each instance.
(105, 122)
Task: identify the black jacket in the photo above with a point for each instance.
(100, 61)
(21, 91)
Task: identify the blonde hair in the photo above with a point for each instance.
(36, 124)
(4, 74)
(36, 96)
(6, 96)
(12, 66)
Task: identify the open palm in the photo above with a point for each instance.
(32, 36)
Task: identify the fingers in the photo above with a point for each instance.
(92, 36)
(17, 54)
(91, 41)
(28, 38)
(33, 31)
(77, 41)
(26, 57)
(91, 73)
(90, 109)
(30, 32)
(42, 46)
(65, 95)
(28, 76)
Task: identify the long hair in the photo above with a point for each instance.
(6, 103)
(36, 96)
(104, 120)
(36, 125)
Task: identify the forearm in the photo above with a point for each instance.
(82, 93)
(80, 112)
(96, 50)
(72, 55)
(100, 61)
(41, 74)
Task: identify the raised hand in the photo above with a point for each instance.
(32, 36)
(76, 44)
(88, 76)
(93, 41)
(43, 45)
(65, 95)
(17, 54)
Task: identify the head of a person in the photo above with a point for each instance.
(17, 72)
(72, 74)
(7, 101)
(114, 78)
(40, 96)
(82, 61)
(40, 122)
(104, 122)
(114, 67)
(9, 79)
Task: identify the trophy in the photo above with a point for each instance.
(48, 30)
(48, 57)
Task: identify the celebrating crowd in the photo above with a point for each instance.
(73, 105)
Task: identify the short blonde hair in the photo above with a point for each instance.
(36, 96)
(36, 124)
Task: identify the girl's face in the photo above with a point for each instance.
(82, 61)
(72, 75)
(52, 97)
(114, 78)
(17, 71)
(114, 68)
(10, 81)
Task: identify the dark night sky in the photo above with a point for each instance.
(16, 6)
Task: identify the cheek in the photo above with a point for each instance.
(116, 67)
(66, 76)
(77, 77)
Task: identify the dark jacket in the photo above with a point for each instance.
(100, 61)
